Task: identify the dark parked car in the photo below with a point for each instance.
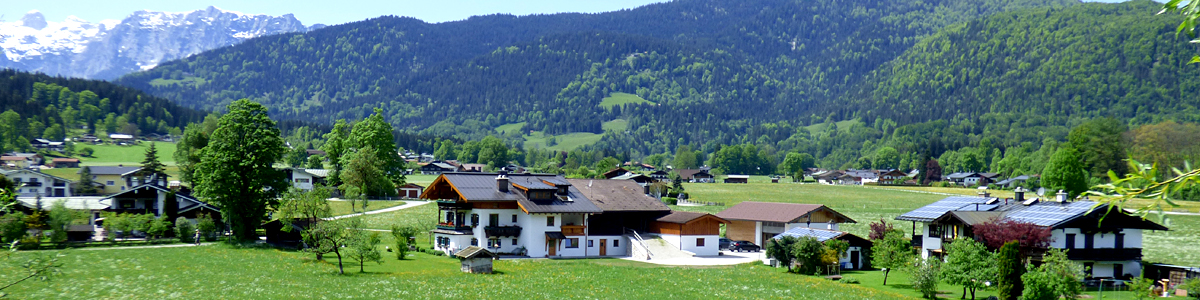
(723, 244)
(740, 246)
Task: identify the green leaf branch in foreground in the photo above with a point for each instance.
(1143, 182)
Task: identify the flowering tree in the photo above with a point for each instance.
(1029, 236)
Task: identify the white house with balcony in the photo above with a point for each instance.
(1109, 249)
(30, 183)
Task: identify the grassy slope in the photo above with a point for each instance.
(565, 142)
(615, 125)
(622, 98)
(339, 208)
(843, 126)
(230, 273)
(111, 155)
(502, 129)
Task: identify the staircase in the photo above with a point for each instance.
(663, 249)
(638, 247)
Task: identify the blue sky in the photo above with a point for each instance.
(316, 11)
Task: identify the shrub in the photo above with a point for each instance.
(402, 236)
(850, 280)
(184, 230)
(12, 227)
(158, 227)
(1009, 271)
(670, 201)
(208, 228)
(925, 277)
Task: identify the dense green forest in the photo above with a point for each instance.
(40, 106)
(966, 81)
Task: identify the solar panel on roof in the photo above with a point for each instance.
(820, 235)
(937, 209)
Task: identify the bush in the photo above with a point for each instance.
(12, 227)
(670, 201)
(208, 228)
(850, 280)
(402, 235)
(925, 277)
(158, 228)
(184, 230)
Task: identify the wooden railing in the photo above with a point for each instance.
(571, 230)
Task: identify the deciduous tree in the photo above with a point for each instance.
(1066, 172)
(891, 252)
(969, 264)
(1028, 236)
(236, 172)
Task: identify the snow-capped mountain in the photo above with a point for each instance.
(111, 48)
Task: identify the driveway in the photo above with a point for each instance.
(727, 258)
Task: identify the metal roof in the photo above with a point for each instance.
(76, 203)
(772, 212)
(821, 234)
(937, 209)
(482, 187)
(617, 195)
(109, 170)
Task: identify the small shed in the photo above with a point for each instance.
(476, 259)
(737, 179)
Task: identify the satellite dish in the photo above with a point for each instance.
(1041, 191)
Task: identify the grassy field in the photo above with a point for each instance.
(615, 125)
(1178, 246)
(223, 272)
(340, 208)
(422, 180)
(423, 216)
(564, 141)
(622, 98)
(506, 128)
(843, 126)
(111, 155)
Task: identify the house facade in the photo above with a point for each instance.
(856, 256)
(760, 221)
(698, 233)
(409, 190)
(438, 167)
(115, 179)
(30, 183)
(701, 175)
(151, 198)
(540, 215)
(306, 179)
(1110, 246)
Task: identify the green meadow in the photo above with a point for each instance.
(621, 99)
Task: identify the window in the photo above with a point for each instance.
(1070, 241)
(590, 244)
(1088, 240)
(573, 243)
(616, 243)
(474, 219)
(514, 242)
(1120, 242)
(474, 242)
(514, 218)
(449, 217)
(494, 220)
(1118, 270)
(110, 182)
(493, 243)
(301, 180)
(550, 221)
(699, 242)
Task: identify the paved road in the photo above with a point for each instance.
(407, 204)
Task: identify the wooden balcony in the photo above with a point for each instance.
(573, 230)
(513, 231)
(452, 226)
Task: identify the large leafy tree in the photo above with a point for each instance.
(795, 163)
(1066, 172)
(235, 170)
(377, 133)
(887, 158)
(187, 151)
(969, 264)
(363, 175)
(1101, 146)
(336, 144)
(1028, 236)
(781, 250)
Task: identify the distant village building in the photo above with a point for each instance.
(410, 190)
(306, 179)
(115, 179)
(737, 179)
(30, 183)
(695, 175)
(759, 221)
(65, 162)
(122, 139)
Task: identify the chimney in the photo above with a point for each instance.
(1060, 196)
(984, 194)
(502, 182)
(1019, 194)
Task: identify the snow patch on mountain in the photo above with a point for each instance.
(110, 48)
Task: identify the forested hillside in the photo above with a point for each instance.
(920, 77)
(39, 106)
(783, 55)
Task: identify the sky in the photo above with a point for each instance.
(315, 11)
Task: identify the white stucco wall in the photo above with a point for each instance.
(929, 243)
(758, 229)
(1133, 239)
(710, 248)
(621, 248)
(307, 186)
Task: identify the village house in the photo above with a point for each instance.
(122, 139)
(61, 162)
(759, 221)
(661, 175)
(30, 183)
(856, 256)
(891, 176)
(115, 179)
(827, 176)
(151, 196)
(627, 210)
(696, 175)
(45, 144)
(615, 172)
(306, 179)
(16, 162)
(1109, 249)
(1013, 182)
(858, 177)
(409, 191)
(737, 179)
(694, 232)
(540, 215)
(438, 167)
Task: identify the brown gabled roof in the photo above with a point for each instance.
(615, 172)
(773, 212)
(683, 217)
(689, 173)
(617, 195)
(11, 158)
(473, 252)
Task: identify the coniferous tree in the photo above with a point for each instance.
(151, 165)
(1009, 267)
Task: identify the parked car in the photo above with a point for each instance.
(723, 244)
(740, 246)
